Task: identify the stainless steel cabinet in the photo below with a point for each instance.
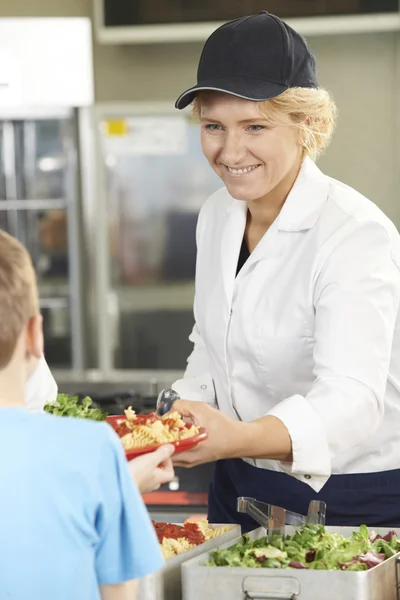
(154, 178)
(39, 204)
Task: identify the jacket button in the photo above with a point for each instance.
(307, 476)
(203, 387)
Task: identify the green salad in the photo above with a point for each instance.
(311, 547)
(70, 406)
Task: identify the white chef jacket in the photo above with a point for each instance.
(308, 331)
(40, 387)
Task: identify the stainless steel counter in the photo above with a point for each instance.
(170, 515)
(143, 382)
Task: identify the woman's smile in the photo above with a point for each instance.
(240, 171)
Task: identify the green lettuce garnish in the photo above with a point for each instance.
(69, 406)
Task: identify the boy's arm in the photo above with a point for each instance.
(127, 546)
(120, 591)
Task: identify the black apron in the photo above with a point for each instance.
(372, 499)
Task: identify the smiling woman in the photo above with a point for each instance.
(297, 327)
(258, 157)
(250, 154)
(312, 111)
(257, 148)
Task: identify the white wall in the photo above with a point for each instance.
(363, 74)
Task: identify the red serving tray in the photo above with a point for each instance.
(180, 446)
(180, 498)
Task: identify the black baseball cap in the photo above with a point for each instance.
(256, 58)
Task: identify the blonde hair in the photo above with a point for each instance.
(312, 110)
(18, 294)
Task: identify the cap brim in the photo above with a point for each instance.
(256, 91)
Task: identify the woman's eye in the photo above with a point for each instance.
(256, 127)
(212, 127)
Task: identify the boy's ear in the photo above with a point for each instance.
(34, 337)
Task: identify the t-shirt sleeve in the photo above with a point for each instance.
(127, 543)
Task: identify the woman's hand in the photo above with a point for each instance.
(225, 436)
(266, 437)
(150, 471)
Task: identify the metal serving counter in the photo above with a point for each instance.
(93, 380)
(243, 583)
(166, 584)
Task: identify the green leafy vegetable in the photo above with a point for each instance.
(69, 406)
(311, 547)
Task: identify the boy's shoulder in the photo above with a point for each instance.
(83, 437)
(82, 429)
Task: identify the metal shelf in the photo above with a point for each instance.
(54, 303)
(199, 32)
(148, 298)
(54, 288)
(32, 204)
(145, 381)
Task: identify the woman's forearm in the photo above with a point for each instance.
(264, 438)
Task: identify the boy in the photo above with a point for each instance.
(73, 525)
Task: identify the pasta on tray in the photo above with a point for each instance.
(139, 431)
(175, 539)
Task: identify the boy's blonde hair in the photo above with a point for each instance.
(312, 110)
(18, 294)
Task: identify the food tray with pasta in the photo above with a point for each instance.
(175, 539)
(166, 584)
(141, 434)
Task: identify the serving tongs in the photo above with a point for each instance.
(274, 518)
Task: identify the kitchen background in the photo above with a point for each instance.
(106, 195)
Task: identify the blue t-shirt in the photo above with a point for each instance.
(70, 517)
